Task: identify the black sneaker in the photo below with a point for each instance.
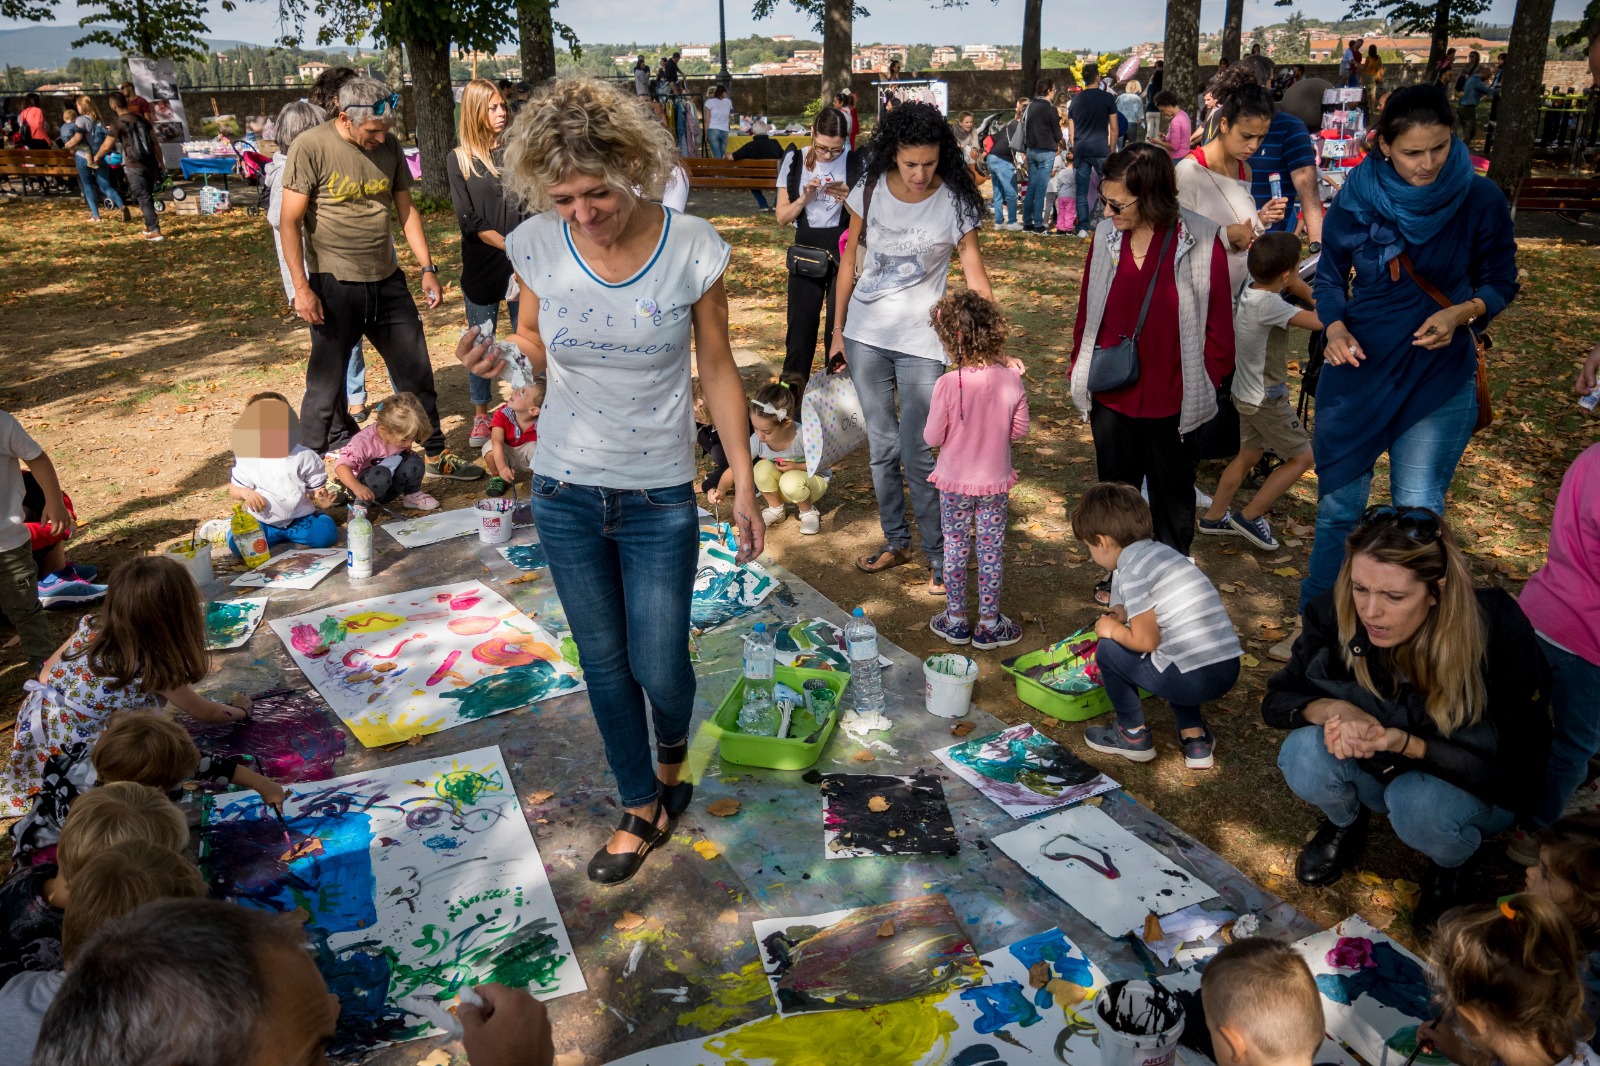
(1198, 752)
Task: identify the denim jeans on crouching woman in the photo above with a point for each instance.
(481, 390)
(1444, 822)
(895, 440)
(623, 561)
(1422, 460)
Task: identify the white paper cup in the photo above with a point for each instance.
(947, 684)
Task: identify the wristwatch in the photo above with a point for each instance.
(434, 269)
(1314, 247)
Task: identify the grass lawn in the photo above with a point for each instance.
(130, 361)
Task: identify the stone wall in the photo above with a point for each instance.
(202, 102)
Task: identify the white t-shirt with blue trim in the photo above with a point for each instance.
(617, 411)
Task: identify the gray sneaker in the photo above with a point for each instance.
(446, 465)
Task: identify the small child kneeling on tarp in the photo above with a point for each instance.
(281, 483)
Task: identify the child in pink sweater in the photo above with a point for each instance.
(976, 412)
(381, 462)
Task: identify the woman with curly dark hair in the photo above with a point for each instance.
(916, 204)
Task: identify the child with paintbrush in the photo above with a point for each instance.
(280, 483)
(145, 747)
(1261, 1005)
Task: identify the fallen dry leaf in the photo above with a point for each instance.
(728, 917)
(1039, 974)
(724, 808)
(877, 804)
(629, 920)
(439, 1057)
(1287, 571)
(886, 930)
(864, 756)
(961, 729)
(542, 796)
(707, 849)
(1249, 662)
(1152, 929)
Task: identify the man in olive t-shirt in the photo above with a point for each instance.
(341, 181)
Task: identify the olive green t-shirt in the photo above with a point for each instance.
(348, 227)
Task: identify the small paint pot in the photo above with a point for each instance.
(195, 560)
(494, 521)
(947, 684)
(821, 700)
(1139, 1023)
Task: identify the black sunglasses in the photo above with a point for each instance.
(1417, 523)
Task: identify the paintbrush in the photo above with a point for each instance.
(278, 811)
(1422, 1047)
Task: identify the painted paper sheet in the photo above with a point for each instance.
(417, 881)
(433, 527)
(525, 556)
(725, 589)
(1101, 870)
(288, 735)
(1374, 992)
(1010, 1020)
(816, 644)
(882, 814)
(393, 667)
(300, 568)
(867, 956)
(1194, 1039)
(1024, 771)
(230, 623)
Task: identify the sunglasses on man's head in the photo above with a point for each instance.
(386, 105)
(1417, 523)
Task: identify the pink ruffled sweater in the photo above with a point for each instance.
(975, 415)
(1562, 600)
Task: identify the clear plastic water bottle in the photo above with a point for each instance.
(866, 676)
(759, 713)
(358, 538)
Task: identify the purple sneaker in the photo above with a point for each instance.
(1112, 739)
(954, 630)
(1004, 632)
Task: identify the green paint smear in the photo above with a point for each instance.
(531, 962)
(227, 622)
(465, 786)
(730, 994)
(331, 631)
(569, 652)
(897, 1034)
(1404, 1042)
(514, 687)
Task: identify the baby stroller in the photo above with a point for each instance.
(252, 168)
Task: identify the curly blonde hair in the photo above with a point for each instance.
(403, 415)
(586, 126)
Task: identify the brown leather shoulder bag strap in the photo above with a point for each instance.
(1424, 284)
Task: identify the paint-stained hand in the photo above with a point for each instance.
(752, 533)
(510, 1029)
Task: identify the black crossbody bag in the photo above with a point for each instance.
(1117, 367)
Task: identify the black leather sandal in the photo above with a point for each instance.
(674, 798)
(607, 868)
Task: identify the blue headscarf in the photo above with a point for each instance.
(1397, 213)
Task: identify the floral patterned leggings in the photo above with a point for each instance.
(958, 515)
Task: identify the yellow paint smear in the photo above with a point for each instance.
(899, 1034)
(730, 994)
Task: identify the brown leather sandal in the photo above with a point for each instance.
(876, 564)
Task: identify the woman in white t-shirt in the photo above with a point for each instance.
(718, 110)
(1214, 181)
(620, 283)
(812, 186)
(918, 204)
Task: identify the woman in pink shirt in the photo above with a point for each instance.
(975, 414)
(1179, 129)
(1562, 601)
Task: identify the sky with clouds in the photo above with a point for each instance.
(1067, 23)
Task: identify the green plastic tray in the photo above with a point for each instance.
(1062, 705)
(775, 753)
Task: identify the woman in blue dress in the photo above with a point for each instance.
(1401, 372)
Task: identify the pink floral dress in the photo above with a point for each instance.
(72, 705)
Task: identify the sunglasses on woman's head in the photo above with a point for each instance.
(1417, 523)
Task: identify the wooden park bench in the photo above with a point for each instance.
(732, 173)
(31, 166)
(1567, 197)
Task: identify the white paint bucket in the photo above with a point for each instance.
(947, 684)
(1139, 1024)
(195, 560)
(494, 521)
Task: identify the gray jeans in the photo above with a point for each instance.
(896, 441)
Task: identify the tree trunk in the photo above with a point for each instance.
(1441, 36)
(394, 72)
(1181, 51)
(836, 47)
(1518, 120)
(538, 41)
(436, 112)
(1232, 30)
(1032, 21)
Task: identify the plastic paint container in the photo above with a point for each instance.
(494, 521)
(1139, 1024)
(195, 560)
(947, 684)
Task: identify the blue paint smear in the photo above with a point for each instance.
(976, 1054)
(1066, 961)
(1000, 1005)
(359, 976)
(527, 556)
(1392, 979)
(442, 843)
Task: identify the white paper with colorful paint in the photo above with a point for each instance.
(1374, 992)
(1009, 1019)
(526, 557)
(416, 881)
(231, 623)
(1024, 771)
(299, 568)
(724, 588)
(433, 527)
(1101, 870)
(815, 644)
(393, 667)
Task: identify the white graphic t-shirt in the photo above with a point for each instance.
(908, 258)
(617, 410)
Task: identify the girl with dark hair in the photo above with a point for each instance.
(1434, 258)
(1214, 180)
(845, 101)
(1156, 279)
(915, 205)
(812, 186)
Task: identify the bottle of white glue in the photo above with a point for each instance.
(358, 537)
